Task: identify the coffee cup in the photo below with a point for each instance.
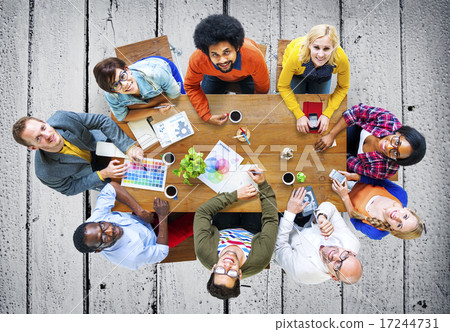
(288, 178)
(171, 192)
(235, 116)
(168, 158)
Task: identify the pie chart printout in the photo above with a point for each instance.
(216, 169)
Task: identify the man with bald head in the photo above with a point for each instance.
(324, 249)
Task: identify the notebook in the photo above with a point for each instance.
(143, 132)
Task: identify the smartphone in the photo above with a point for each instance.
(313, 121)
(337, 176)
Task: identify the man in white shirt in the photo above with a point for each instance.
(326, 249)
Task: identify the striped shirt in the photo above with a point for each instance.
(235, 237)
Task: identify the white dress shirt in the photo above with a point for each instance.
(297, 248)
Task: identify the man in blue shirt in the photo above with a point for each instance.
(124, 239)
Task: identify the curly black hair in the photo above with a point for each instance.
(418, 144)
(217, 28)
(222, 292)
(79, 238)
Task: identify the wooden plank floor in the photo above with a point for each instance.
(48, 53)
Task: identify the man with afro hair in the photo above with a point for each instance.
(223, 56)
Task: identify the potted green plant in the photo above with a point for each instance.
(191, 166)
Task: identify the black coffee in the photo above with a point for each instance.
(288, 177)
(235, 116)
(171, 190)
(169, 158)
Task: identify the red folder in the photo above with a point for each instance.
(312, 107)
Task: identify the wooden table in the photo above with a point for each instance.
(272, 128)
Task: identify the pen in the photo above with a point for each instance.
(238, 136)
(254, 173)
(245, 136)
(158, 107)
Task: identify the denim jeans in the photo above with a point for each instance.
(301, 86)
(353, 138)
(214, 85)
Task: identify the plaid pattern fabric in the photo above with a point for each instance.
(235, 237)
(379, 122)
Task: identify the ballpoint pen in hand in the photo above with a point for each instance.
(158, 107)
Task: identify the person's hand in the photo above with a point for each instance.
(323, 123)
(218, 120)
(326, 227)
(136, 154)
(166, 109)
(161, 208)
(114, 170)
(351, 176)
(295, 204)
(256, 174)
(146, 216)
(303, 124)
(341, 190)
(324, 142)
(246, 192)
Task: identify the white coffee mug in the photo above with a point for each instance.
(172, 192)
(234, 112)
(288, 183)
(167, 155)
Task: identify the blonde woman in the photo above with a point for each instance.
(308, 64)
(378, 207)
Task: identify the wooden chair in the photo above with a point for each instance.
(133, 52)
(282, 44)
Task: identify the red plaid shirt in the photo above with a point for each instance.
(379, 122)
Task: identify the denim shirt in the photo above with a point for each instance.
(153, 76)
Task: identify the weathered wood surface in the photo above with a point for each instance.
(425, 107)
(14, 180)
(57, 56)
(115, 289)
(374, 84)
(398, 64)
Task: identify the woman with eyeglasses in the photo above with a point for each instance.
(308, 64)
(150, 81)
(378, 207)
(377, 143)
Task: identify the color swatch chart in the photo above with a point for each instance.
(154, 178)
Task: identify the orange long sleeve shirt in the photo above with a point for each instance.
(252, 64)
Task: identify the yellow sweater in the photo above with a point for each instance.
(292, 66)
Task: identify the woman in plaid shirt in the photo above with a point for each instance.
(377, 143)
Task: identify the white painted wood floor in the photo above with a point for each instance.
(398, 53)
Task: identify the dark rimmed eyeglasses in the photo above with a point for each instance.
(230, 273)
(338, 264)
(395, 142)
(118, 85)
